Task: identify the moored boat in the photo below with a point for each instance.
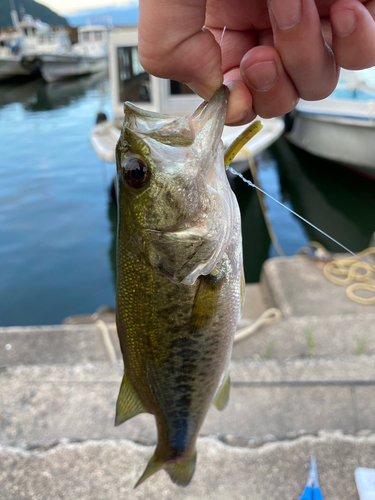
(340, 128)
(12, 62)
(87, 56)
(21, 49)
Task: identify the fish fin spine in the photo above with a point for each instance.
(128, 403)
(222, 396)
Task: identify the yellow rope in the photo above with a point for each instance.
(344, 272)
(269, 317)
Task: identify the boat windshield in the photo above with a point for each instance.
(134, 84)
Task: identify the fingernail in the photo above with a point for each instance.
(343, 22)
(261, 76)
(287, 13)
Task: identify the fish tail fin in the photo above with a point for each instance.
(182, 472)
(153, 466)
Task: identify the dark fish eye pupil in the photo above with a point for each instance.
(136, 173)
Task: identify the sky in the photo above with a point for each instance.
(66, 7)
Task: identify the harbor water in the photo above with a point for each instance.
(58, 223)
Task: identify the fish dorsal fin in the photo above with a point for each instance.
(128, 403)
(182, 472)
(222, 396)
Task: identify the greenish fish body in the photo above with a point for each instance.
(179, 275)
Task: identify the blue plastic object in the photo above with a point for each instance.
(312, 489)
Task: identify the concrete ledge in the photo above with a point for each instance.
(108, 470)
(311, 336)
(57, 344)
(78, 402)
(297, 286)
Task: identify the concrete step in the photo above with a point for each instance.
(108, 470)
(310, 337)
(47, 403)
(306, 337)
(297, 286)
(59, 344)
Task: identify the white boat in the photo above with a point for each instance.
(20, 50)
(87, 56)
(129, 82)
(340, 128)
(12, 63)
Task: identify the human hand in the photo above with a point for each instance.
(273, 52)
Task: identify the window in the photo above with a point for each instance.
(134, 81)
(85, 36)
(178, 88)
(98, 36)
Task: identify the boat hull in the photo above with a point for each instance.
(345, 139)
(17, 66)
(60, 67)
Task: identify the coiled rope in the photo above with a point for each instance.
(355, 275)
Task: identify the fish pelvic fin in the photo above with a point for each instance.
(182, 472)
(128, 403)
(153, 466)
(222, 396)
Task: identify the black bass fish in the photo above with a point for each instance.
(180, 276)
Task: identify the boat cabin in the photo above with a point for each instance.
(38, 37)
(130, 82)
(92, 33)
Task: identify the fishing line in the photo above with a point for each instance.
(222, 36)
(231, 169)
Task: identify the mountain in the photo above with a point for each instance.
(33, 8)
(119, 15)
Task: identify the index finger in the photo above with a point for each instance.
(172, 44)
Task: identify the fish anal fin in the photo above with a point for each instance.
(181, 472)
(128, 403)
(222, 396)
(153, 466)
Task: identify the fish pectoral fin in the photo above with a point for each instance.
(222, 396)
(206, 298)
(128, 403)
(153, 466)
(182, 472)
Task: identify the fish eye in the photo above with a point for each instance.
(136, 173)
